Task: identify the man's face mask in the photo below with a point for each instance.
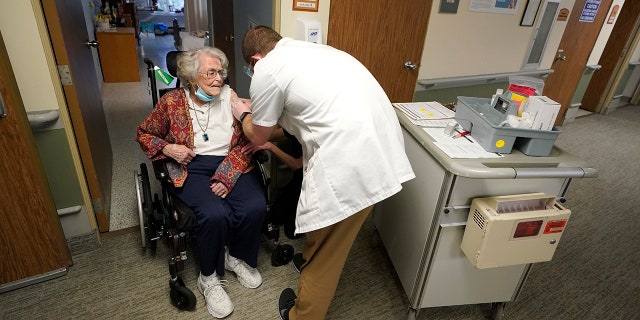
(254, 60)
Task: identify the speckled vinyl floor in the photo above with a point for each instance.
(126, 105)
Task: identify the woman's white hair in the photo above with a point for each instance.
(189, 64)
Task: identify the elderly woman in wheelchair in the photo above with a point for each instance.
(193, 128)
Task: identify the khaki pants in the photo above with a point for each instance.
(325, 252)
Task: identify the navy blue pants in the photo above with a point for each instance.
(234, 221)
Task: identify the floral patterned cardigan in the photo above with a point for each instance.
(169, 122)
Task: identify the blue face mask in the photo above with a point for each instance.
(204, 96)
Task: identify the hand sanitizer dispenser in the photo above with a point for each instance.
(308, 30)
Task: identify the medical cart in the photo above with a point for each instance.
(422, 226)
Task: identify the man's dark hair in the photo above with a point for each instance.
(259, 39)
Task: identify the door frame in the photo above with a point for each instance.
(631, 42)
(64, 111)
(223, 33)
(55, 39)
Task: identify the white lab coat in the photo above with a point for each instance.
(353, 149)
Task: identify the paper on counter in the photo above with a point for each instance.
(426, 114)
(461, 148)
(432, 123)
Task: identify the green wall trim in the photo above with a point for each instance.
(58, 166)
(582, 87)
(449, 95)
(623, 81)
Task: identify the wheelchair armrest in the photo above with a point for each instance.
(162, 173)
(261, 156)
(160, 170)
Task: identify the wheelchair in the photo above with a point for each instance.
(169, 219)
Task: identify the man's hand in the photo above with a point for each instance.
(240, 106)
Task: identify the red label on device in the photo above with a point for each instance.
(555, 226)
(523, 90)
(528, 229)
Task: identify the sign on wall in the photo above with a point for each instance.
(590, 10)
(308, 5)
(494, 6)
(563, 14)
(614, 14)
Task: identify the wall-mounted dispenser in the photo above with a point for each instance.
(308, 30)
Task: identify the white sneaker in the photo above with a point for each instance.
(247, 276)
(218, 302)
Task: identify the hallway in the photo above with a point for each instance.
(593, 274)
(126, 105)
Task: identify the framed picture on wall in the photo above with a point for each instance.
(530, 12)
(308, 5)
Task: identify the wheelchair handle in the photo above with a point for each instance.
(149, 63)
(152, 80)
(261, 156)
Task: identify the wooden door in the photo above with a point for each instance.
(576, 45)
(384, 36)
(32, 238)
(68, 32)
(223, 34)
(602, 83)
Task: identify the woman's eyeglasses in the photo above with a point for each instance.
(211, 74)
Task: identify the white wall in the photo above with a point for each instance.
(466, 43)
(476, 43)
(289, 17)
(27, 54)
(19, 27)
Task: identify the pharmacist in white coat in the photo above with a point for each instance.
(353, 150)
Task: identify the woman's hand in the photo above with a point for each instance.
(182, 154)
(219, 189)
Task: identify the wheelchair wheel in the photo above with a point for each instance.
(145, 207)
(281, 255)
(143, 236)
(181, 296)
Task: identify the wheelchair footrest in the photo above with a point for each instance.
(179, 249)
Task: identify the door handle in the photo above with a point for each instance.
(3, 110)
(93, 44)
(229, 38)
(410, 65)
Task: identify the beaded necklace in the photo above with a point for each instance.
(205, 136)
